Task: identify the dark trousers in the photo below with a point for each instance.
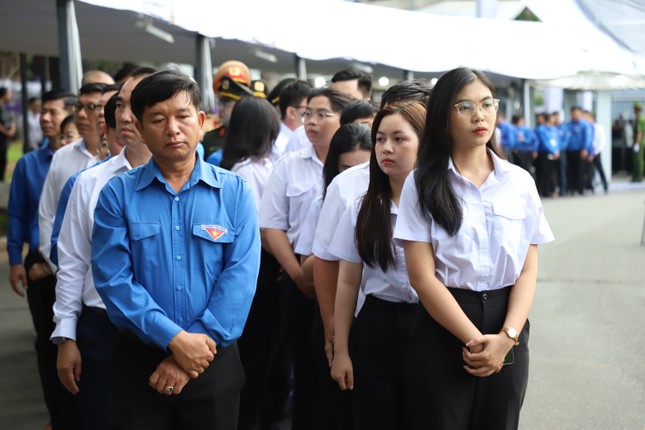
(306, 383)
(335, 405)
(379, 343)
(41, 296)
(263, 347)
(4, 148)
(596, 166)
(562, 173)
(209, 402)
(96, 339)
(577, 170)
(441, 394)
(545, 171)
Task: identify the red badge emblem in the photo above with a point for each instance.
(215, 231)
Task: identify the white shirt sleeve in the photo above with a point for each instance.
(47, 210)
(74, 253)
(330, 214)
(411, 224)
(274, 205)
(343, 244)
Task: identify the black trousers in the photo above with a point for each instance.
(336, 409)
(379, 342)
(41, 296)
(596, 165)
(441, 394)
(96, 339)
(577, 171)
(263, 351)
(4, 148)
(306, 403)
(545, 171)
(209, 402)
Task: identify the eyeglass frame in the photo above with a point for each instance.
(478, 105)
(320, 115)
(90, 107)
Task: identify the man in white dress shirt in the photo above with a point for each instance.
(84, 334)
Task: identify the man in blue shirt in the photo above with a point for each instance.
(579, 148)
(33, 276)
(175, 258)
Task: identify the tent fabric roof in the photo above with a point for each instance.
(334, 33)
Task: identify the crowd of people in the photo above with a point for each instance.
(562, 157)
(310, 257)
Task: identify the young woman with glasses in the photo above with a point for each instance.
(470, 223)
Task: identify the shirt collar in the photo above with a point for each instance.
(310, 152)
(500, 167)
(201, 172)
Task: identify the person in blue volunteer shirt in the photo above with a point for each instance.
(561, 165)
(524, 144)
(175, 258)
(546, 154)
(579, 148)
(32, 278)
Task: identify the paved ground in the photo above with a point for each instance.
(587, 324)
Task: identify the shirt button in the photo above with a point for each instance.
(179, 257)
(177, 228)
(179, 288)
(176, 198)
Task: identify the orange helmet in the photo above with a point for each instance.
(235, 70)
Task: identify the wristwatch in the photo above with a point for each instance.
(57, 340)
(512, 333)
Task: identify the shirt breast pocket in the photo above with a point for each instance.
(145, 241)
(210, 241)
(300, 198)
(509, 220)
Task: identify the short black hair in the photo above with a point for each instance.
(69, 118)
(292, 93)
(124, 72)
(357, 109)
(93, 87)
(408, 90)
(160, 86)
(109, 111)
(111, 87)
(69, 99)
(3, 91)
(364, 81)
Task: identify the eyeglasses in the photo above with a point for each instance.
(320, 116)
(466, 109)
(92, 107)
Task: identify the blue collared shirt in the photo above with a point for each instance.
(165, 261)
(26, 187)
(580, 136)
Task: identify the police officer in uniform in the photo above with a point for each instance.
(231, 82)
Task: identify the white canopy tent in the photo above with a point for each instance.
(334, 34)
(405, 40)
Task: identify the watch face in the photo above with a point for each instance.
(512, 333)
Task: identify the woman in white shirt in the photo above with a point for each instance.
(294, 183)
(247, 151)
(470, 224)
(371, 262)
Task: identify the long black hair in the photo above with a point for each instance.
(436, 196)
(373, 224)
(253, 127)
(348, 138)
